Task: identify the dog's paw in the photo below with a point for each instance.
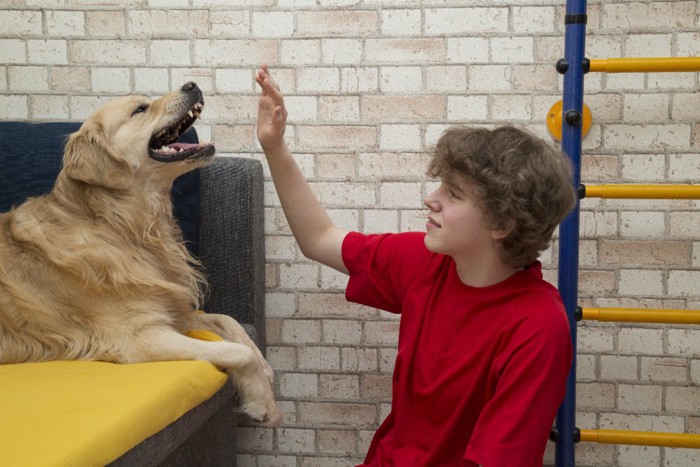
(266, 413)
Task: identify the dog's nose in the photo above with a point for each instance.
(189, 86)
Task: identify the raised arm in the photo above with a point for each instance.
(318, 237)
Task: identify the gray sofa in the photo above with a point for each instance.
(220, 210)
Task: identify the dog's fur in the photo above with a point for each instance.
(98, 270)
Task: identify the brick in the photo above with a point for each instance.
(281, 358)
(21, 23)
(151, 80)
(379, 221)
(339, 387)
(642, 224)
(167, 23)
(295, 276)
(398, 137)
(14, 107)
(664, 369)
(639, 456)
(647, 108)
(254, 438)
(595, 339)
(334, 414)
(467, 108)
(401, 22)
(648, 45)
(637, 341)
(534, 19)
(318, 358)
(640, 282)
(511, 108)
(468, 50)
(165, 52)
(683, 283)
(341, 51)
(490, 78)
(639, 422)
(404, 51)
(404, 107)
(109, 52)
(682, 399)
(105, 23)
(300, 52)
(224, 52)
(359, 79)
(337, 441)
(451, 21)
(111, 80)
(44, 107)
(48, 51)
(512, 50)
(334, 23)
(341, 137)
(392, 165)
(643, 167)
(618, 367)
(29, 79)
(302, 108)
(300, 385)
(400, 195)
(272, 23)
(232, 137)
(597, 283)
(234, 23)
(534, 78)
(381, 333)
(376, 387)
(65, 23)
(342, 331)
(401, 79)
(339, 108)
(656, 15)
(646, 136)
(644, 253)
(359, 359)
(684, 168)
(296, 440)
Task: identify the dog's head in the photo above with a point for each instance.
(133, 138)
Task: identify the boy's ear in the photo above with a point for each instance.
(500, 234)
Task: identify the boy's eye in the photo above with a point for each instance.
(139, 109)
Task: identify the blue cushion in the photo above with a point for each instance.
(30, 159)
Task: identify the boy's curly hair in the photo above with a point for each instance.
(517, 179)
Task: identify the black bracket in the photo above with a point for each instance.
(555, 437)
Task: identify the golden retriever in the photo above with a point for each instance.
(97, 269)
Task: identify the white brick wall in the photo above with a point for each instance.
(370, 86)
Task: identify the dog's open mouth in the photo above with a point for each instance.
(164, 148)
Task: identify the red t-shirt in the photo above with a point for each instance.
(480, 371)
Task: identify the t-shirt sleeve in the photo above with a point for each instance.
(381, 267)
(514, 426)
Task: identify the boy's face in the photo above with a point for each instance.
(456, 226)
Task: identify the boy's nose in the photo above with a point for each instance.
(431, 202)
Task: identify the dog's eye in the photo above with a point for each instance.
(139, 109)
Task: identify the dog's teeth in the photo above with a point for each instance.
(189, 112)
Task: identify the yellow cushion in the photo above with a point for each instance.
(69, 413)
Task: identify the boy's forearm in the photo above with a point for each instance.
(318, 237)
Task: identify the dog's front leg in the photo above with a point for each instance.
(231, 330)
(257, 396)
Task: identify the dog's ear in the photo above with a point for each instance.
(88, 158)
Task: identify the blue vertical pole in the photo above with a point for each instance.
(574, 49)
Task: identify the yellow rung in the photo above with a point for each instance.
(642, 315)
(643, 191)
(643, 65)
(641, 438)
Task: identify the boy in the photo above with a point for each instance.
(484, 346)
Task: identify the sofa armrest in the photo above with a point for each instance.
(232, 242)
